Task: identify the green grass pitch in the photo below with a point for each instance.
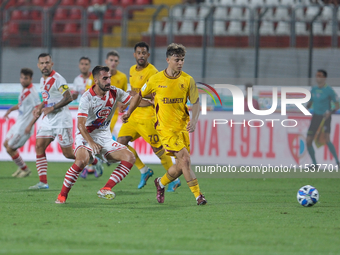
(243, 216)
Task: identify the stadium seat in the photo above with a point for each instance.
(71, 28)
(190, 12)
(67, 3)
(75, 14)
(203, 12)
(329, 28)
(312, 11)
(220, 13)
(97, 2)
(327, 13)
(13, 28)
(220, 28)
(272, 2)
(318, 28)
(174, 28)
(118, 14)
(200, 27)
(36, 29)
(38, 2)
(112, 2)
(282, 28)
(60, 14)
(10, 3)
(235, 28)
(281, 13)
(50, 3)
(57, 27)
(16, 15)
(177, 12)
(142, 2)
(158, 27)
(83, 3)
(269, 14)
(288, 2)
(300, 28)
(126, 3)
(267, 28)
(187, 28)
(35, 15)
(226, 2)
(256, 2)
(109, 14)
(236, 12)
(300, 13)
(242, 2)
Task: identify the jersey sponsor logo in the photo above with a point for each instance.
(45, 95)
(135, 90)
(162, 87)
(167, 100)
(103, 113)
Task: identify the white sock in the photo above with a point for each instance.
(144, 169)
(160, 184)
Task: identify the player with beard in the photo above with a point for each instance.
(141, 123)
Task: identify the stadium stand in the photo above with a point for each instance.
(234, 22)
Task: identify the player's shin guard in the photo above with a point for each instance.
(42, 167)
(312, 153)
(333, 151)
(194, 187)
(19, 161)
(166, 179)
(139, 164)
(70, 179)
(165, 159)
(118, 174)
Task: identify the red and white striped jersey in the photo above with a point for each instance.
(99, 110)
(28, 99)
(79, 84)
(52, 90)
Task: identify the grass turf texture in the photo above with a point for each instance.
(243, 216)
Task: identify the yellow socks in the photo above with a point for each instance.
(194, 187)
(139, 164)
(165, 159)
(166, 179)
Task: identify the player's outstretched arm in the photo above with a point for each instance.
(195, 110)
(13, 108)
(82, 129)
(67, 98)
(135, 101)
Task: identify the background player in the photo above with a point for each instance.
(141, 122)
(172, 88)
(321, 97)
(80, 81)
(21, 131)
(57, 119)
(97, 105)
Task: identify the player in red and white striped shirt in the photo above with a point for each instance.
(96, 107)
(21, 131)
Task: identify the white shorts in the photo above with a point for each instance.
(64, 135)
(17, 138)
(108, 144)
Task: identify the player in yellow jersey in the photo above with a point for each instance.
(141, 122)
(172, 88)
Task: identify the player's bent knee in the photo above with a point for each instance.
(82, 163)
